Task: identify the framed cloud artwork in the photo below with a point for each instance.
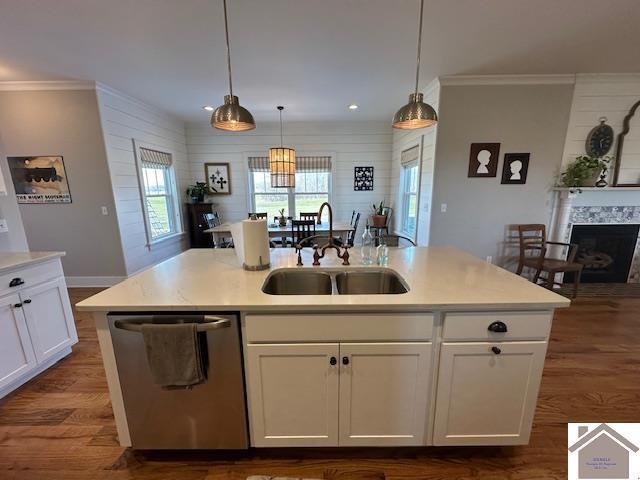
(218, 177)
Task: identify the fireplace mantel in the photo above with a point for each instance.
(594, 189)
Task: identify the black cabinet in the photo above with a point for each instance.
(198, 224)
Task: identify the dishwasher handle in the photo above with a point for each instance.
(211, 322)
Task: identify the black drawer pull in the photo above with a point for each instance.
(333, 361)
(28, 300)
(496, 350)
(345, 360)
(15, 282)
(17, 305)
(498, 327)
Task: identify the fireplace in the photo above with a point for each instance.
(605, 250)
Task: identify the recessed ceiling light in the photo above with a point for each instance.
(208, 108)
(353, 106)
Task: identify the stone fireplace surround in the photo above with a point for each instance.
(614, 206)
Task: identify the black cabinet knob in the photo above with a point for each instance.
(15, 282)
(345, 360)
(497, 327)
(28, 300)
(333, 360)
(17, 305)
(496, 350)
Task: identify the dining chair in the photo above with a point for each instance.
(213, 220)
(533, 243)
(353, 215)
(395, 240)
(310, 216)
(302, 229)
(351, 236)
(258, 215)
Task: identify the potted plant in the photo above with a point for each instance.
(197, 192)
(378, 217)
(584, 171)
(282, 220)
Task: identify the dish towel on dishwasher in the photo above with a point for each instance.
(173, 354)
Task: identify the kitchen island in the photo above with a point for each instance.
(456, 360)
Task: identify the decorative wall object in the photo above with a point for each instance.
(39, 179)
(627, 166)
(483, 159)
(515, 168)
(362, 178)
(218, 177)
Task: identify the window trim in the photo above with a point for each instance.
(173, 182)
(251, 199)
(402, 193)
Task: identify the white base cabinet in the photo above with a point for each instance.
(36, 322)
(486, 393)
(338, 394)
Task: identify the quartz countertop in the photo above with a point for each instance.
(13, 260)
(439, 278)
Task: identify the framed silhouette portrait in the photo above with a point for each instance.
(483, 159)
(515, 168)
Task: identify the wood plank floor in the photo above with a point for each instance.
(60, 426)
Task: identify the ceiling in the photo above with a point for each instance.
(313, 56)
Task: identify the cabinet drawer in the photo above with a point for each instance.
(31, 275)
(519, 326)
(344, 327)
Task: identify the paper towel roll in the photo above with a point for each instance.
(251, 240)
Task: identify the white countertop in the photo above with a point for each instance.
(439, 278)
(13, 260)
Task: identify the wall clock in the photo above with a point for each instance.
(600, 139)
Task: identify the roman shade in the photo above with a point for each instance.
(410, 155)
(303, 164)
(154, 158)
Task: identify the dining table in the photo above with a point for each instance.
(340, 230)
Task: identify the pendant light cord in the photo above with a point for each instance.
(281, 141)
(419, 46)
(226, 30)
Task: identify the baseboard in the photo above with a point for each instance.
(36, 371)
(93, 281)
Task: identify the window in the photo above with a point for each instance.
(313, 187)
(409, 183)
(159, 194)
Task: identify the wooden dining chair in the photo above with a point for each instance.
(302, 229)
(534, 254)
(351, 236)
(310, 216)
(258, 215)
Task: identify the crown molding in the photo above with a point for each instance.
(554, 79)
(158, 111)
(46, 85)
(607, 77)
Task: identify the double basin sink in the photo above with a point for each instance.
(346, 282)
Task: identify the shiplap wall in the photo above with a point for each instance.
(124, 119)
(403, 139)
(350, 144)
(596, 96)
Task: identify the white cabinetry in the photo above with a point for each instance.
(36, 322)
(16, 354)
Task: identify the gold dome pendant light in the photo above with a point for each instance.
(231, 116)
(282, 163)
(416, 113)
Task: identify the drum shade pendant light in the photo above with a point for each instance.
(282, 163)
(231, 116)
(416, 113)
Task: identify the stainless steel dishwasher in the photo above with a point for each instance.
(211, 415)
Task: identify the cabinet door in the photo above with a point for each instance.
(486, 397)
(384, 391)
(293, 394)
(16, 353)
(49, 318)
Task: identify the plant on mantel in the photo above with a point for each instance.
(584, 172)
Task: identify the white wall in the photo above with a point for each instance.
(124, 119)
(15, 239)
(350, 144)
(403, 139)
(522, 118)
(66, 122)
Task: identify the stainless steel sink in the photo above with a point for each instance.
(298, 282)
(369, 282)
